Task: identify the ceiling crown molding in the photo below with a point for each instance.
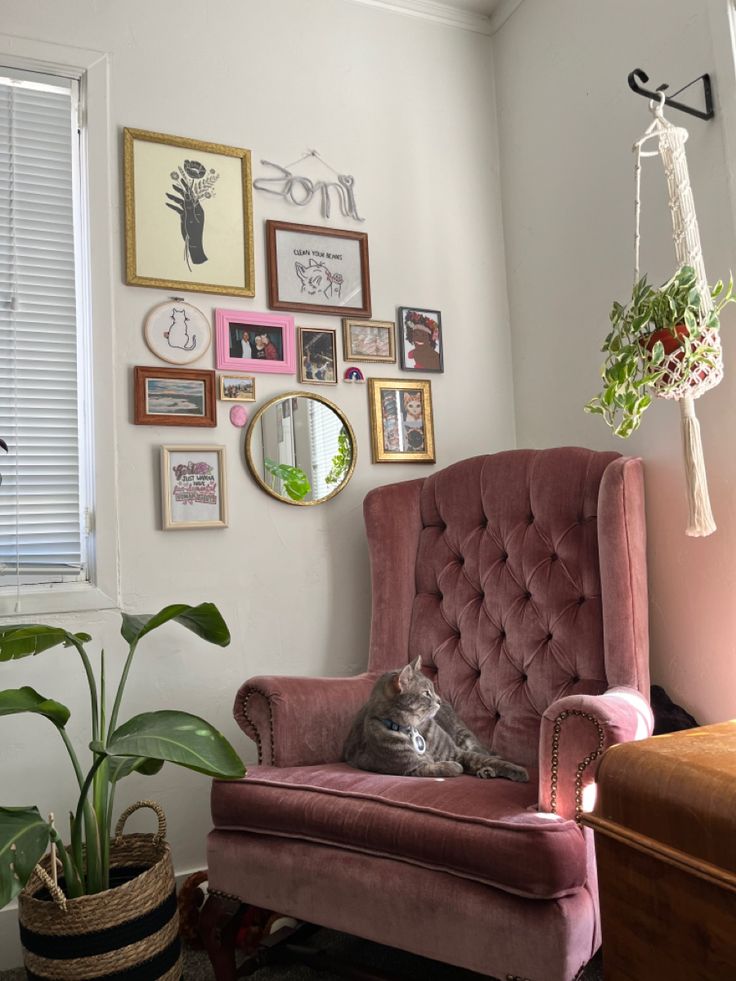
(440, 13)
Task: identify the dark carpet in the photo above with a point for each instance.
(358, 952)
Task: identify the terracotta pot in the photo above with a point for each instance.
(673, 348)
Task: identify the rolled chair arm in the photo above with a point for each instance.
(300, 721)
(575, 732)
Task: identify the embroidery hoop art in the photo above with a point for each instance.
(188, 324)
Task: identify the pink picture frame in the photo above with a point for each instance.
(251, 341)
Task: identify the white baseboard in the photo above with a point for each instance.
(11, 955)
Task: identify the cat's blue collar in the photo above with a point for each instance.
(416, 737)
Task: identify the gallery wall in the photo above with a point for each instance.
(567, 122)
(406, 106)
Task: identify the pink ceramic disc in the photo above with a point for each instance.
(238, 416)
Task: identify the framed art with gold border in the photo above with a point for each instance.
(402, 426)
(188, 214)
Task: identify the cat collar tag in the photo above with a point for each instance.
(418, 742)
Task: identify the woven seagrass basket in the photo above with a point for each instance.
(130, 929)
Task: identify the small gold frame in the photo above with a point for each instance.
(236, 398)
(252, 430)
(131, 265)
(376, 389)
(349, 353)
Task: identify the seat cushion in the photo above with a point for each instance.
(485, 830)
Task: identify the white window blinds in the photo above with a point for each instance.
(41, 503)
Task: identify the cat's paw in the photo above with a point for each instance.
(448, 768)
(509, 771)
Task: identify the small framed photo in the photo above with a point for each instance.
(369, 340)
(420, 334)
(317, 355)
(402, 427)
(188, 214)
(318, 270)
(237, 388)
(261, 342)
(193, 487)
(174, 397)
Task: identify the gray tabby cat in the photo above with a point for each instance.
(405, 728)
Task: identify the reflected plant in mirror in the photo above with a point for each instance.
(301, 449)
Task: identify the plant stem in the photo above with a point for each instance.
(72, 879)
(73, 756)
(93, 839)
(100, 791)
(92, 688)
(121, 688)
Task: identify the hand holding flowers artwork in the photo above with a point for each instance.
(190, 184)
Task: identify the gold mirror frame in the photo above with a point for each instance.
(249, 447)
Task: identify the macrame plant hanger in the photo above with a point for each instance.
(688, 386)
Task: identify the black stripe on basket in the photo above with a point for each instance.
(71, 946)
(151, 970)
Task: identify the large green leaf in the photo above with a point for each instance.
(26, 829)
(122, 766)
(15, 700)
(22, 640)
(204, 620)
(177, 737)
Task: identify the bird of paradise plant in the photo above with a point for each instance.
(141, 745)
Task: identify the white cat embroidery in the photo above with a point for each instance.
(317, 278)
(178, 333)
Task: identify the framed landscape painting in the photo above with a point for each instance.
(188, 214)
(174, 397)
(318, 270)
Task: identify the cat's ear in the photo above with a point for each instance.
(417, 664)
(402, 680)
(301, 270)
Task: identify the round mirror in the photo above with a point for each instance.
(301, 448)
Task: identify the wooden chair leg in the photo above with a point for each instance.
(218, 926)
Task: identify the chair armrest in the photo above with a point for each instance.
(300, 721)
(575, 732)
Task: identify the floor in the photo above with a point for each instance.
(359, 952)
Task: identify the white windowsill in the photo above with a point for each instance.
(54, 599)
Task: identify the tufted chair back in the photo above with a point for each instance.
(491, 570)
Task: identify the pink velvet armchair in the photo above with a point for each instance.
(520, 579)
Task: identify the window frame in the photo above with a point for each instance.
(95, 306)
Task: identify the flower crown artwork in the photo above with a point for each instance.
(415, 319)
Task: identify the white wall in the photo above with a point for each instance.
(567, 121)
(401, 103)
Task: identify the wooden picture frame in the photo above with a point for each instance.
(250, 341)
(317, 355)
(400, 433)
(193, 487)
(420, 339)
(313, 269)
(188, 214)
(174, 397)
(369, 340)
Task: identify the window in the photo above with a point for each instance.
(44, 351)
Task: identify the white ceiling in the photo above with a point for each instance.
(485, 7)
(483, 16)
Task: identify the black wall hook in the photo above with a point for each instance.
(638, 75)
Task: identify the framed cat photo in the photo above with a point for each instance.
(249, 341)
(420, 336)
(402, 426)
(317, 356)
(188, 214)
(318, 270)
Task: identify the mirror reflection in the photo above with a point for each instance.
(301, 448)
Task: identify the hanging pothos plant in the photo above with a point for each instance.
(659, 323)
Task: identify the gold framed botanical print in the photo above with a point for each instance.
(402, 427)
(188, 214)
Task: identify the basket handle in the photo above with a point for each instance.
(54, 891)
(160, 834)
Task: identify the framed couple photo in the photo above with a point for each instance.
(262, 342)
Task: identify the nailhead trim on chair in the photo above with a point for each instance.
(582, 765)
(248, 693)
